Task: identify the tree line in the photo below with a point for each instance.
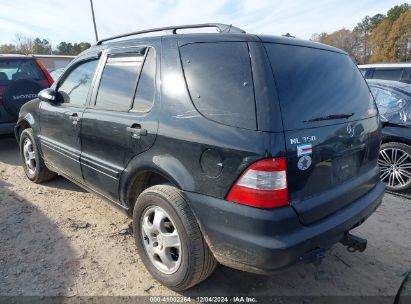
(379, 38)
(27, 45)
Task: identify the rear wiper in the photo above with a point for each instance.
(330, 117)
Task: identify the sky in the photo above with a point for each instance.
(70, 20)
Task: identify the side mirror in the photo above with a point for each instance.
(48, 95)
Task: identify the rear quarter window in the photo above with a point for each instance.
(220, 82)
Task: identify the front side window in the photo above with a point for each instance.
(118, 82)
(75, 87)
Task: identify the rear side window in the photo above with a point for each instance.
(118, 82)
(220, 82)
(144, 98)
(15, 69)
(314, 84)
(393, 74)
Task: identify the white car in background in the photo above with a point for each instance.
(388, 71)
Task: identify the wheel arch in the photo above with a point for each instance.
(146, 170)
(24, 123)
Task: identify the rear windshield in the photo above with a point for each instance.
(15, 69)
(318, 87)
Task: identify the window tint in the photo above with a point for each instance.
(387, 74)
(146, 85)
(118, 82)
(220, 82)
(311, 86)
(75, 87)
(15, 69)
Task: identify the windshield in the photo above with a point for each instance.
(318, 87)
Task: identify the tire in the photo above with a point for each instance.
(33, 163)
(191, 261)
(395, 164)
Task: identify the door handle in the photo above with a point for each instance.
(136, 131)
(73, 117)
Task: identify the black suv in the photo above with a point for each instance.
(253, 151)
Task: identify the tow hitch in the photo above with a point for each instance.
(354, 243)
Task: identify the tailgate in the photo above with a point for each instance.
(331, 128)
(328, 167)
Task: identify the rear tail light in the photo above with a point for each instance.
(1, 101)
(45, 72)
(262, 185)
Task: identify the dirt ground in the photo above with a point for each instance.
(57, 239)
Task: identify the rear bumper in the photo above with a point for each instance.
(7, 128)
(263, 241)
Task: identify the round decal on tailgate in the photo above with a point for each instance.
(304, 162)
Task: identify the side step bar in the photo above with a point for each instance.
(354, 243)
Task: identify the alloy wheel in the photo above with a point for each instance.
(29, 156)
(395, 167)
(161, 240)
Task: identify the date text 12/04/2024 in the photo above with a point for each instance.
(205, 299)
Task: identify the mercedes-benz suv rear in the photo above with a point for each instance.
(257, 152)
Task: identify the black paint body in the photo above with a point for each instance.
(185, 148)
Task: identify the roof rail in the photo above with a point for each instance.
(222, 28)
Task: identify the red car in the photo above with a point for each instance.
(21, 78)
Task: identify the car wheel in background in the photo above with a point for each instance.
(395, 164)
(33, 163)
(169, 240)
